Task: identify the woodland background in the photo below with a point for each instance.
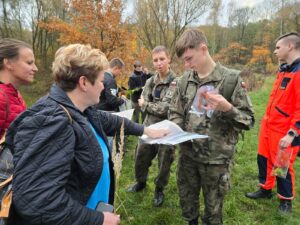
(246, 42)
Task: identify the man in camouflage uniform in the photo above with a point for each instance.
(204, 163)
(154, 102)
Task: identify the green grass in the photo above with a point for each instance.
(238, 210)
(138, 209)
(139, 206)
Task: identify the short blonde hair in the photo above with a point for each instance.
(76, 60)
(161, 48)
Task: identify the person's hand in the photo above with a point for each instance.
(124, 97)
(285, 142)
(141, 101)
(216, 102)
(155, 133)
(111, 218)
(145, 70)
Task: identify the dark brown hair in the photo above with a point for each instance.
(293, 37)
(116, 62)
(190, 38)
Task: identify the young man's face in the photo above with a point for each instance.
(116, 71)
(138, 68)
(193, 58)
(161, 62)
(282, 50)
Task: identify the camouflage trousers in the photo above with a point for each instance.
(145, 153)
(137, 112)
(213, 180)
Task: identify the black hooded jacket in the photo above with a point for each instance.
(109, 100)
(137, 81)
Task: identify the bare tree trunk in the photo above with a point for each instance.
(6, 32)
(162, 21)
(281, 18)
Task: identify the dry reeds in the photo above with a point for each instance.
(117, 158)
(118, 153)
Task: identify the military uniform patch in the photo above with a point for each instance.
(173, 84)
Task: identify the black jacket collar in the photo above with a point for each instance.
(295, 66)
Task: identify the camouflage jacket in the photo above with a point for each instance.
(157, 95)
(223, 128)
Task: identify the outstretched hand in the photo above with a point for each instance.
(156, 133)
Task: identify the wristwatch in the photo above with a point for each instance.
(292, 133)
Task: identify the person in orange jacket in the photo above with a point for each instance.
(280, 127)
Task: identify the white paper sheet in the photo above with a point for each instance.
(126, 113)
(176, 135)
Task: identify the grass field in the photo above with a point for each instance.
(138, 209)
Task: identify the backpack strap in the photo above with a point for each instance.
(7, 197)
(151, 80)
(6, 203)
(152, 84)
(5, 182)
(184, 84)
(229, 83)
(68, 113)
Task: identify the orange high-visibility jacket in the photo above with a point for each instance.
(283, 109)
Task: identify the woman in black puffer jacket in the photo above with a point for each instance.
(63, 166)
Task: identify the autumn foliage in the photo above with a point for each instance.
(261, 57)
(99, 24)
(235, 53)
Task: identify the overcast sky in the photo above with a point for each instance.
(249, 3)
(129, 6)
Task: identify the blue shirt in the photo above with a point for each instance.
(101, 191)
